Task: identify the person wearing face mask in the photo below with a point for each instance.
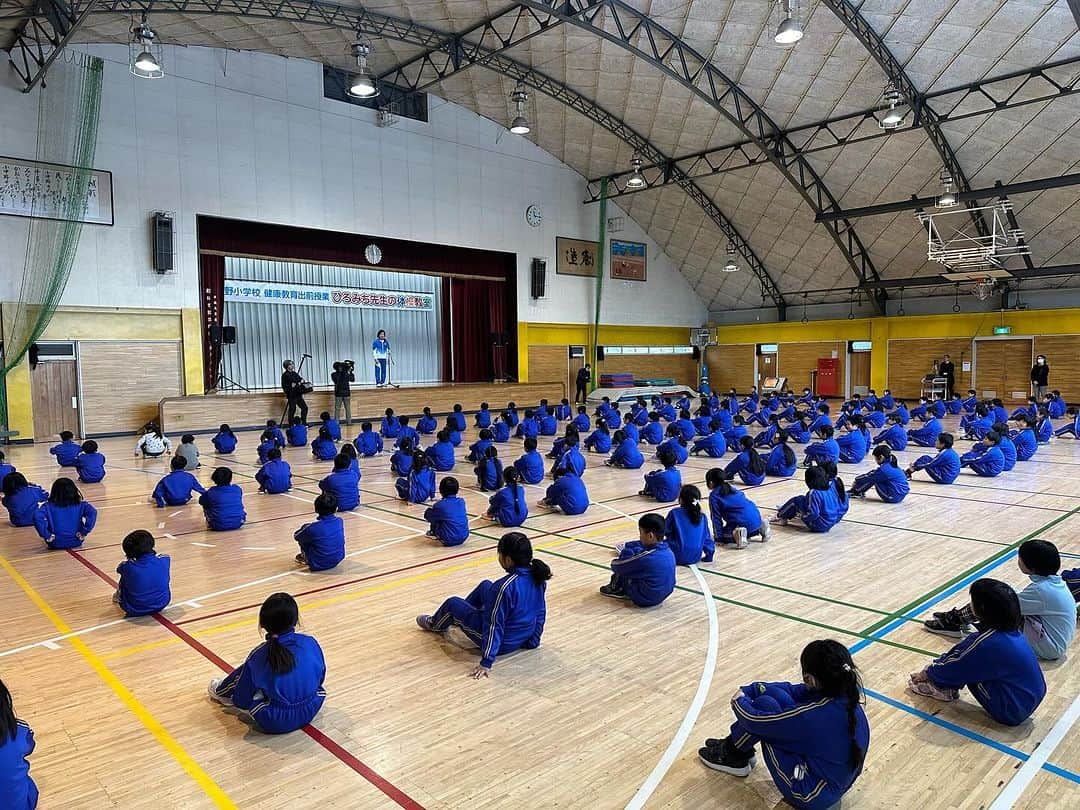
(1040, 376)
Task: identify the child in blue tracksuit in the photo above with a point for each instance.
(65, 519)
(979, 425)
(996, 663)
(343, 483)
(748, 465)
(500, 431)
(644, 571)
(223, 503)
(567, 494)
(925, 436)
(5, 468)
(1030, 409)
(888, 480)
(275, 476)
(419, 485)
(66, 450)
(676, 444)
(820, 508)
(280, 685)
(943, 468)
(920, 411)
(296, 434)
(781, 461)
(582, 421)
(626, 454)
(997, 410)
(489, 471)
(401, 460)
(267, 442)
(508, 507)
(90, 464)
(478, 449)
(825, 450)
(511, 415)
(851, 444)
(665, 484)
(686, 529)
(599, 441)
(426, 424)
(571, 459)
(814, 734)
(764, 438)
(1055, 405)
(562, 411)
(799, 431)
(224, 440)
(457, 418)
(390, 427)
(482, 418)
(1071, 428)
(685, 425)
(653, 432)
(875, 417)
(1025, 440)
(1006, 446)
(441, 454)
(954, 406)
(143, 586)
(16, 746)
(712, 443)
(175, 488)
(448, 519)
(894, 435)
(970, 402)
(528, 427)
(406, 432)
(985, 458)
(1044, 428)
(323, 446)
(22, 499)
(322, 543)
(735, 518)
(531, 464)
(368, 443)
(502, 616)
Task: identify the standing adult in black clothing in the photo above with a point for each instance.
(342, 376)
(1040, 378)
(947, 370)
(584, 375)
(292, 385)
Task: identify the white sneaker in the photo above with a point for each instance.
(739, 536)
(212, 691)
(766, 533)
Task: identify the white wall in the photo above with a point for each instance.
(250, 136)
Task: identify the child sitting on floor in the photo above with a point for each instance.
(65, 519)
(888, 480)
(567, 494)
(735, 517)
(66, 450)
(296, 435)
(489, 470)
(368, 443)
(508, 506)
(323, 446)
(419, 485)
(644, 571)
(686, 529)
(143, 587)
(175, 489)
(322, 543)
(820, 508)
(90, 464)
(665, 484)
(343, 483)
(224, 440)
(531, 464)
(22, 498)
(944, 468)
(781, 462)
(748, 465)
(447, 517)
(985, 458)
(223, 503)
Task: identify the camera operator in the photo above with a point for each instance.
(293, 386)
(342, 376)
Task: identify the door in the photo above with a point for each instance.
(54, 390)
(859, 365)
(576, 364)
(1003, 367)
(766, 367)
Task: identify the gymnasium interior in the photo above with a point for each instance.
(635, 200)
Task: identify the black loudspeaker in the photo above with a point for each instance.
(222, 334)
(162, 226)
(538, 286)
(215, 334)
(697, 353)
(599, 352)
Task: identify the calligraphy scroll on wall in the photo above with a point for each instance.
(31, 188)
(576, 257)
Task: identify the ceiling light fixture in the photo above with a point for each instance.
(520, 124)
(790, 29)
(897, 112)
(636, 179)
(145, 53)
(947, 198)
(363, 83)
(731, 266)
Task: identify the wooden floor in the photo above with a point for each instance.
(122, 719)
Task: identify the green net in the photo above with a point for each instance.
(68, 113)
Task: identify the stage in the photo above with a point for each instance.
(203, 414)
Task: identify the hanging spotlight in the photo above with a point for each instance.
(947, 198)
(636, 179)
(520, 124)
(897, 112)
(145, 52)
(363, 83)
(731, 266)
(790, 29)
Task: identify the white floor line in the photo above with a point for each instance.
(1030, 769)
(648, 787)
(613, 509)
(204, 545)
(258, 548)
(170, 536)
(174, 514)
(388, 543)
(161, 525)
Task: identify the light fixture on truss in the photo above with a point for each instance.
(967, 255)
(947, 198)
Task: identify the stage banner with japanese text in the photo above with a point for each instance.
(628, 260)
(261, 292)
(576, 257)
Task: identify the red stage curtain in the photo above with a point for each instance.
(212, 287)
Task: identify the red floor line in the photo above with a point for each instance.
(399, 796)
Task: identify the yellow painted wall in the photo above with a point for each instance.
(881, 330)
(576, 334)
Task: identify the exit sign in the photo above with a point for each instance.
(1002, 330)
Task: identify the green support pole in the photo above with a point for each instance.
(599, 279)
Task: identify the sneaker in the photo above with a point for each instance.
(778, 521)
(423, 621)
(300, 558)
(928, 689)
(212, 691)
(725, 759)
(739, 536)
(607, 590)
(948, 629)
(765, 534)
(713, 742)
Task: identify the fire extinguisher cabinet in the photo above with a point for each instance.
(828, 376)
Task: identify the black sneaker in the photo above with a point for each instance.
(726, 759)
(713, 742)
(949, 624)
(614, 593)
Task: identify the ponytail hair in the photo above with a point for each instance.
(518, 549)
(690, 500)
(883, 453)
(279, 614)
(7, 715)
(836, 676)
(757, 463)
(789, 454)
(512, 478)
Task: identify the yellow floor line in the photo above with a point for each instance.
(126, 697)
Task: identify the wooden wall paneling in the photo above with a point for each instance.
(1004, 366)
(911, 360)
(860, 369)
(796, 360)
(549, 363)
(1063, 356)
(682, 368)
(53, 387)
(731, 366)
(123, 382)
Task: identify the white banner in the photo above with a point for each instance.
(264, 292)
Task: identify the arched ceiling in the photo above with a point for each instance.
(599, 55)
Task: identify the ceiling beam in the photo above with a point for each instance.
(1074, 5)
(42, 37)
(972, 195)
(1021, 274)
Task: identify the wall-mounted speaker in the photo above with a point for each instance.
(162, 227)
(599, 352)
(697, 352)
(538, 279)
